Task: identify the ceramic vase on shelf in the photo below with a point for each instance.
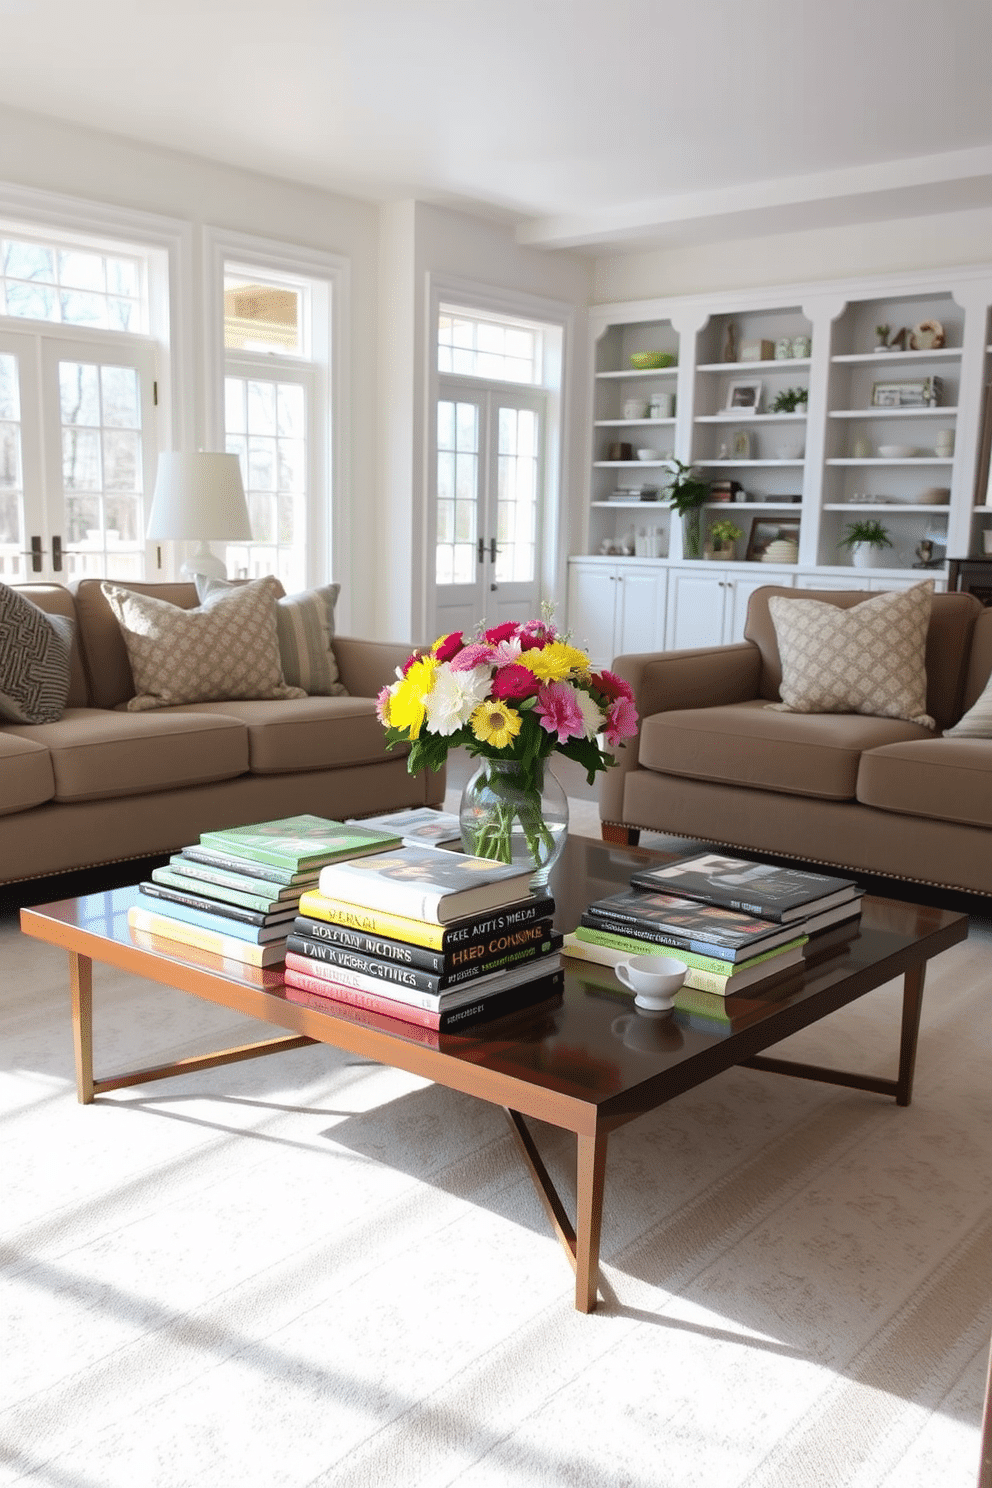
(866, 555)
(692, 533)
(503, 818)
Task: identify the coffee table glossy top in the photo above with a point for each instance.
(587, 1043)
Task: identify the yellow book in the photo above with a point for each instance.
(252, 954)
(318, 906)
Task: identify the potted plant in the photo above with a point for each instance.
(866, 540)
(882, 335)
(723, 535)
(789, 400)
(687, 494)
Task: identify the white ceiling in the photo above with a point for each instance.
(596, 123)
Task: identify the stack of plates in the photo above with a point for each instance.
(782, 550)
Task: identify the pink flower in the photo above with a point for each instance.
(514, 682)
(501, 632)
(559, 711)
(382, 707)
(449, 646)
(536, 634)
(612, 686)
(477, 653)
(621, 721)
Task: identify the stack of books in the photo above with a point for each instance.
(236, 892)
(433, 938)
(735, 923)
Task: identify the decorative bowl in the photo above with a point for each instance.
(649, 454)
(647, 361)
(897, 451)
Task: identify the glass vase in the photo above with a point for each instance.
(692, 533)
(503, 818)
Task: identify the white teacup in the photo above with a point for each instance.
(654, 980)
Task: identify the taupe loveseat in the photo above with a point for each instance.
(878, 795)
(101, 784)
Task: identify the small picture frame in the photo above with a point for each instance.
(743, 397)
(743, 445)
(925, 393)
(765, 530)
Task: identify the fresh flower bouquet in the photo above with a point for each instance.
(513, 695)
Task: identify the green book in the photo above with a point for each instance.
(634, 947)
(207, 889)
(298, 842)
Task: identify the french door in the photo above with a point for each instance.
(77, 456)
(487, 483)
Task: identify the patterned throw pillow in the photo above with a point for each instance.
(870, 658)
(306, 629)
(977, 722)
(229, 649)
(34, 660)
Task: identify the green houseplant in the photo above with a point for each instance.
(865, 540)
(723, 535)
(687, 493)
(789, 399)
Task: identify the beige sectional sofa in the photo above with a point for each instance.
(102, 784)
(878, 795)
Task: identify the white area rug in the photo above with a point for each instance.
(311, 1271)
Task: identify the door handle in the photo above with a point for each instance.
(492, 550)
(57, 552)
(481, 549)
(35, 554)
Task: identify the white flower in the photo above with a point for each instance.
(454, 698)
(592, 714)
(505, 653)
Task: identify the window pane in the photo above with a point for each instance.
(10, 457)
(28, 261)
(235, 411)
(81, 270)
(266, 429)
(82, 521)
(291, 410)
(33, 302)
(261, 407)
(261, 464)
(121, 407)
(445, 425)
(493, 346)
(121, 460)
(79, 393)
(10, 397)
(80, 460)
(75, 286)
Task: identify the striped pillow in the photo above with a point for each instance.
(977, 722)
(306, 628)
(34, 660)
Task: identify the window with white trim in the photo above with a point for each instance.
(273, 389)
(77, 400)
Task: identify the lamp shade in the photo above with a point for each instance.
(199, 497)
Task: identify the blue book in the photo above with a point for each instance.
(221, 923)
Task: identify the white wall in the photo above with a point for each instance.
(421, 243)
(826, 253)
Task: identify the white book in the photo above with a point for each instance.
(425, 883)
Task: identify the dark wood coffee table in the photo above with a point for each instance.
(575, 1061)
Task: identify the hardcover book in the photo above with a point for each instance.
(298, 842)
(401, 988)
(483, 951)
(631, 944)
(779, 894)
(670, 920)
(221, 896)
(425, 883)
(247, 867)
(283, 915)
(183, 933)
(243, 883)
(464, 932)
(391, 970)
(329, 998)
(226, 925)
(416, 825)
(759, 969)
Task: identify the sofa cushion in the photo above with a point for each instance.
(35, 653)
(227, 649)
(952, 621)
(305, 624)
(97, 754)
(56, 599)
(309, 734)
(866, 659)
(26, 777)
(947, 779)
(752, 745)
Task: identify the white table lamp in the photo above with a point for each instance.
(199, 498)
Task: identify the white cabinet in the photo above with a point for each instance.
(616, 606)
(707, 606)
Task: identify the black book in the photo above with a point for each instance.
(780, 894)
(282, 916)
(489, 1006)
(319, 911)
(667, 919)
(402, 973)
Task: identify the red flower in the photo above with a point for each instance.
(535, 635)
(621, 721)
(514, 682)
(449, 646)
(612, 686)
(416, 655)
(501, 632)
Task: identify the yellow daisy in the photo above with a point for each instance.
(555, 662)
(406, 706)
(495, 723)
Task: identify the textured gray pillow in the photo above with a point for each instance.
(870, 658)
(305, 623)
(35, 649)
(228, 649)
